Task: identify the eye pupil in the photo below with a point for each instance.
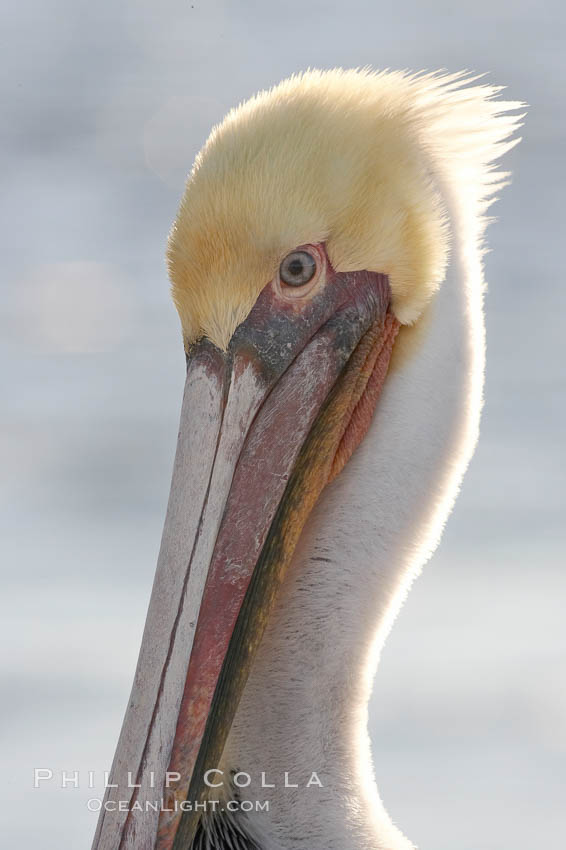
(297, 268)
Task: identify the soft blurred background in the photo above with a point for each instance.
(104, 107)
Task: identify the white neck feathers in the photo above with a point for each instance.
(305, 705)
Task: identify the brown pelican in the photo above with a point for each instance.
(326, 267)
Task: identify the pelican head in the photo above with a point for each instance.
(326, 266)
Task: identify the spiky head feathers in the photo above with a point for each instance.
(354, 159)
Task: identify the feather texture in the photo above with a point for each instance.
(350, 157)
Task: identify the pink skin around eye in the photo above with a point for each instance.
(300, 293)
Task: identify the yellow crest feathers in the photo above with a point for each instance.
(352, 158)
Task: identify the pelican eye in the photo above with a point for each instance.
(298, 268)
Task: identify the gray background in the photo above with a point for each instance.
(104, 106)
